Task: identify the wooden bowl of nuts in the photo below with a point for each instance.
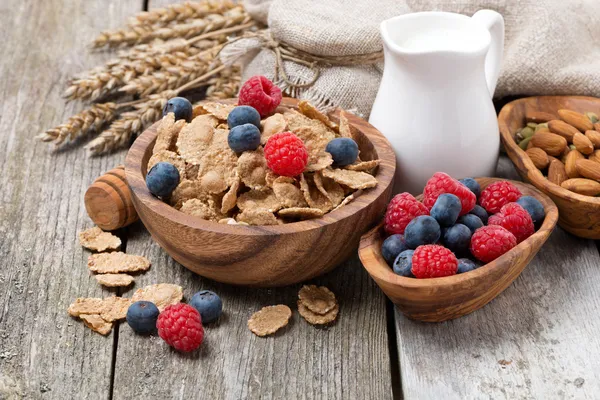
(554, 142)
(282, 247)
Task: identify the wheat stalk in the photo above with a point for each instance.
(181, 12)
(225, 85)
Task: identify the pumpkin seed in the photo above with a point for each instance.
(592, 116)
(523, 144)
(527, 132)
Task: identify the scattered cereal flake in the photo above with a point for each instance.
(363, 165)
(115, 308)
(301, 212)
(312, 195)
(259, 199)
(208, 208)
(288, 194)
(311, 112)
(219, 110)
(98, 240)
(161, 294)
(195, 138)
(345, 129)
(269, 319)
(213, 182)
(96, 323)
(186, 190)
(86, 305)
(352, 179)
(317, 319)
(219, 158)
(348, 199)
(257, 216)
(317, 299)
(330, 188)
(191, 171)
(114, 280)
(252, 169)
(170, 157)
(168, 131)
(230, 198)
(322, 161)
(116, 262)
(276, 123)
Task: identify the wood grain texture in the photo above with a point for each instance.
(43, 352)
(534, 341)
(252, 255)
(579, 214)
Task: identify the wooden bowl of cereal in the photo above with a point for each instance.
(235, 232)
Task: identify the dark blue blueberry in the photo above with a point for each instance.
(446, 209)
(458, 239)
(534, 208)
(243, 115)
(162, 179)
(392, 246)
(141, 317)
(208, 304)
(471, 221)
(181, 107)
(481, 213)
(403, 264)
(472, 185)
(344, 151)
(243, 138)
(422, 230)
(466, 265)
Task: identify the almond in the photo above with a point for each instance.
(583, 186)
(539, 116)
(595, 156)
(576, 119)
(556, 172)
(583, 144)
(551, 143)
(538, 157)
(543, 130)
(597, 126)
(563, 129)
(570, 167)
(594, 137)
(588, 169)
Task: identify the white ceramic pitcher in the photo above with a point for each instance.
(435, 100)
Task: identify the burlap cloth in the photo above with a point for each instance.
(551, 46)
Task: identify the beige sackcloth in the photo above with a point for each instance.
(552, 47)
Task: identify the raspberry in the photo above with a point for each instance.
(490, 242)
(402, 209)
(515, 219)
(433, 261)
(260, 93)
(443, 183)
(498, 194)
(285, 154)
(180, 326)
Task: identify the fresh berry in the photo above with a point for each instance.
(433, 261)
(534, 208)
(260, 93)
(392, 246)
(208, 304)
(481, 213)
(181, 327)
(244, 138)
(471, 221)
(162, 179)
(472, 185)
(446, 209)
(181, 107)
(141, 317)
(403, 264)
(516, 219)
(344, 151)
(498, 194)
(457, 238)
(422, 230)
(443, 183)
(243, 115)
(466, 265)
(285, 154)
(490, 242)
(402, 209)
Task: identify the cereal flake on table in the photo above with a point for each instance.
(269, 320)
(117, 262)
(114, 280)
(96, 239)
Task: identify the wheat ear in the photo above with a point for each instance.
(181, 12)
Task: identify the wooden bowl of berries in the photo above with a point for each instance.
(260, 190)
(554, 142)
(441, 256)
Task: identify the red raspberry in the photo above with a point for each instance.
(433, 261)
(402, 209)
(285, 154)
(490, 242)
(180, 326)
(515, 219)
(498, 194)
(260, 93)
(443, 183)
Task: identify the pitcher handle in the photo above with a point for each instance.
(493, 22)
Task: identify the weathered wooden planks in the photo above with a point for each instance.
(43, 352)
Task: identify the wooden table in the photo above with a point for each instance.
(537, 340)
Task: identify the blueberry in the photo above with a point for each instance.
(422, 230)
(141, 317)
(392, 246)
(471, 221)
(208, 304)
(162, 179)
(466, 265)
(243, 115)
(472, 185)
(403, 264)
(344, 151)
(534, 208)
(458, 239)
(181, 107)
(446, 209)
(243, 138)
(481, 213)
